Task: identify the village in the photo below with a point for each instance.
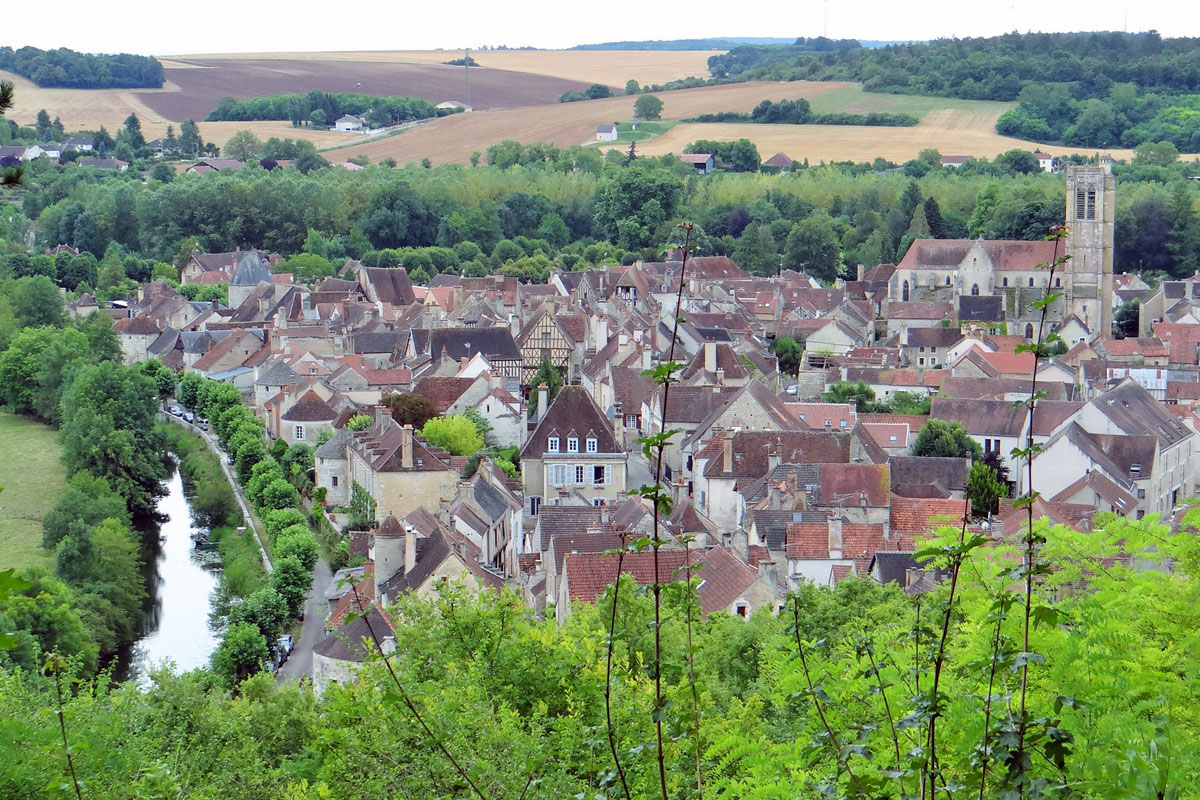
(779, 475)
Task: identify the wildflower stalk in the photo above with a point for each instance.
(55, 662)
(612, 631)
(407, 700)
(656, 542)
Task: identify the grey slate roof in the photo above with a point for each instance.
(335, 448)
(980, 308)
(250, 271)
(490, 499)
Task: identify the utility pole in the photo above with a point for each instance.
(467, 67)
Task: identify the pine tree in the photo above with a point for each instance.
(933, 215)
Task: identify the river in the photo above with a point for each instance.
(175, 626)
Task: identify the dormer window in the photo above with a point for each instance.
(592, 444)
(1135, 469)
(552, 444)
(572, 444)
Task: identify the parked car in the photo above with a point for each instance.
(283, 649)
(793, 389)
(202, 426)
(176, 410)
(189, 416)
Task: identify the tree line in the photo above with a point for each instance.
(69, 69)
(323, 108)
(1089, 89)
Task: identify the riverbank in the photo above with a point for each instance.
(32, 475)
(217, 506)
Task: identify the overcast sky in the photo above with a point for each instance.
(216, 26)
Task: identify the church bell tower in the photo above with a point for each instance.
(1091, 209)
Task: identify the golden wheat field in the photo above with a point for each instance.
(609, 67)
(452, 139)
(951, 131)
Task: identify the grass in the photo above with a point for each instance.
(644, 133)
(32, 477)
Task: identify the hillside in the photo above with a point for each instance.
(454, 138)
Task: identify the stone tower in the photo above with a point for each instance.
(1091, 209)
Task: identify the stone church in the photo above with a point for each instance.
(999, 281)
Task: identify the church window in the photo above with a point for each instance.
(1080, 204)
(1057, 282)
(947, 280)
(904, 291)
(1031, 282)
(1091, 203)
(974, 289)
(1004, 282)
(1029, 330)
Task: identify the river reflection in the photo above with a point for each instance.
(176, 625)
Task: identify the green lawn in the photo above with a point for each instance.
(853, 100)
(644, 133)
(32, 477)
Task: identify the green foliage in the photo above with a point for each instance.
(242, 652)
(359, 422)
(457, 434)
(280, 494)
(36, 367)
(291, 581)
(942, 439)
(296, 542)
(812, 247)
(265, 609)
(86, 501)
(984, 489)
(277, 521)
(647, 106)
(789, 352)
(859, 393)
(108, 429)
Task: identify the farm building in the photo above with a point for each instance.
(348, 124)
(1045, 160)
(209, 165)
(955, 161)
(780, 162)
(606, 133)
(703, 162)
(453, 106)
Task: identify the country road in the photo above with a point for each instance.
(299, 663)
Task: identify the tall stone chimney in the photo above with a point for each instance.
(710, 356)
(410, 548)
(835, 537)
(543, 401)
(727, 466)
(406, 447)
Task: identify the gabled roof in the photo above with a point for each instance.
(572, 410)
(442, 391)
(389, 285)
(1134, 410)
(310, 408)
(495, 344)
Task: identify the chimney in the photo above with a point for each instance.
(406, 447)
(741, 545)
(618, 423)
(462, 364)
(646, 356)
(720, 377)
(860, 272)
(382, 413)
(835, 537)
(410, 548)
(543, 401)
(728, 465)
(863, 499)
(604, 521)
(768, 573)
(710, 356)
(774, 457)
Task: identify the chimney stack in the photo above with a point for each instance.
(618, 424)
(768, 573)
(774, 458)
(646, 357)
(410, 548)
(835, 537)
(543, 401)
(728, 465)
(720, 377)
(740, 545)
(382, 413)
(406, 447)
(710, 356)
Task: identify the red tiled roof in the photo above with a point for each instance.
(808, 540)
(588, 574)
(913, 517)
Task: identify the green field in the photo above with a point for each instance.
(645, 131)
(32, 477)
(853, 100)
